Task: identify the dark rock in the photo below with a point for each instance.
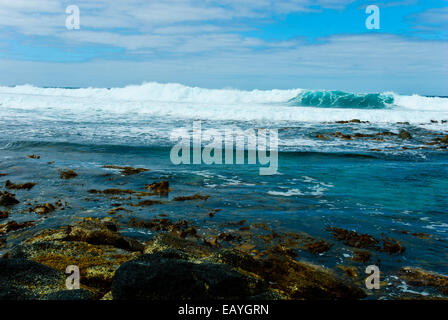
(13, 226)
(20, 186)
(321, 136)
(421, 278)
(361, 256)
(127, 171)
(169, 275)
(353, 239)
(392, 246)
(68, 174)
(22, 279)
(69, 295)
(45, 208)
(7, 199)
(162, 187)
(197, 196)
(386, 133)
(4, 214)
(147, 203)
(318, 247)
(404, 135)
(445, 139)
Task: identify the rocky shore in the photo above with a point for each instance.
(175, 265)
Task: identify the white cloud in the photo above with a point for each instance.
(46, 17)
(355, 63)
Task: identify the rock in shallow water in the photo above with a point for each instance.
(7, 199)
(404, 134)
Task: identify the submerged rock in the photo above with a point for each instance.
(22, 279)
(13, 226)
(43, 208)
(162, 187)
(67, 174)
(20, 186)
(404, 135)
(318, 247)
(361, 256)
(4, 214)
(445, 139)
(353, 239)
(421, 278)
(127, 171)
(196, 196)
(7, 199)
(147, 203)
(169, 275)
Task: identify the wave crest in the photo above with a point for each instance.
(332, 99)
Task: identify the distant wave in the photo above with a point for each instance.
(182, 102)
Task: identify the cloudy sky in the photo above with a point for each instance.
(247, 44)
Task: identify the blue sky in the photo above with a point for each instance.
(265, 44)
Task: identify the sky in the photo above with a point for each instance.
(244, 44)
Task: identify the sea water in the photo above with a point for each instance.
(385, 187)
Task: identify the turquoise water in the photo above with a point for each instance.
(340, 99)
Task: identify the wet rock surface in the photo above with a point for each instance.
(171, 275)
(416, 277)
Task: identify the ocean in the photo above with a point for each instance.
(343, 162)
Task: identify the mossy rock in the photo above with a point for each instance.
(97, 263)
(22, 279)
